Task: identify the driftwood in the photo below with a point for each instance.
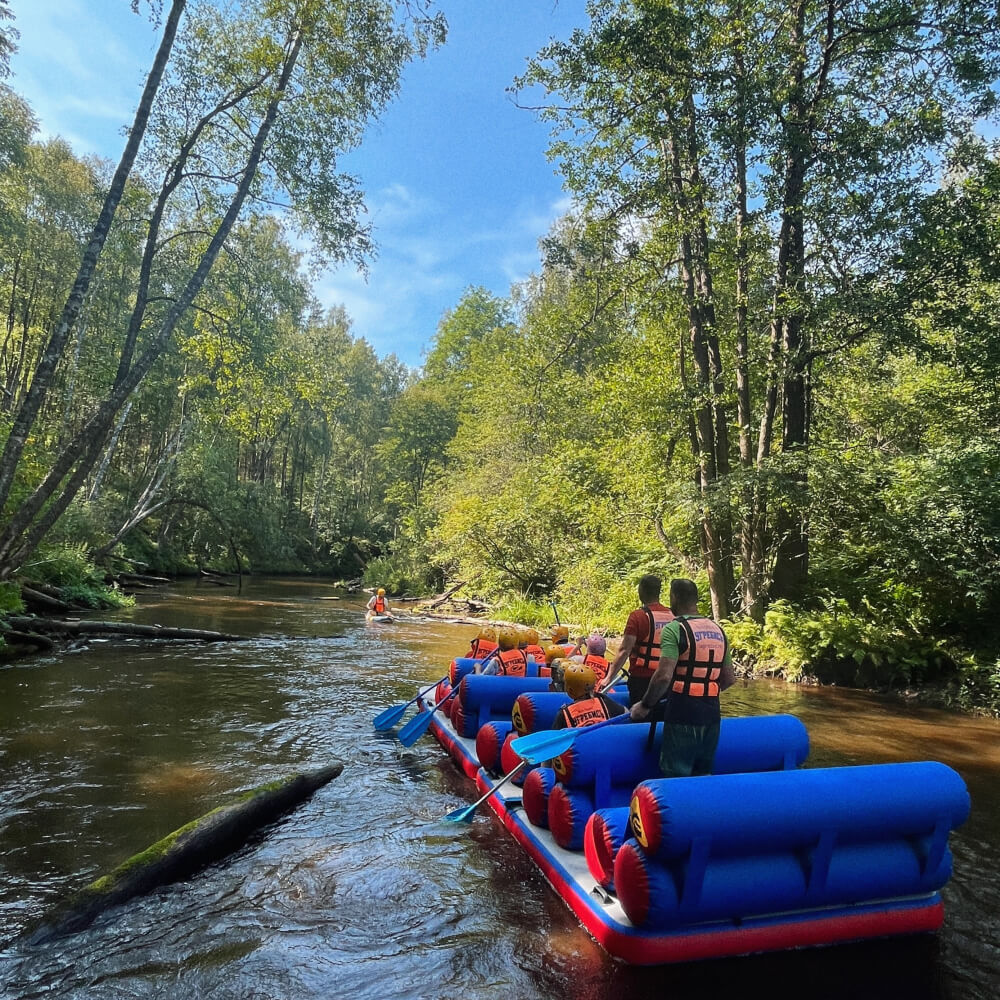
(36, 600)
(183, 852)
(437, 602)
(127, 629)
(13, 639)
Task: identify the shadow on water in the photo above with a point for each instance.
(362, 892)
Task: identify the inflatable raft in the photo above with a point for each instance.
(762, 855)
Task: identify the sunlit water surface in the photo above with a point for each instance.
(362, 892)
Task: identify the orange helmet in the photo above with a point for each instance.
(488, 632)
(381, 591)
(553, 653)
(507, 639)
(578, 680)
(560, 633)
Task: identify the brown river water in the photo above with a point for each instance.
(362, 892)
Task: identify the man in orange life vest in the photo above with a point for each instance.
(641, 641)
(694, 668)
(586, 709)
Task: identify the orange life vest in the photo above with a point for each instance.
(512, 663)
(536, 652)
(598, 664)
(379, 607)
(480, 648)
(585, 713)
(699, 666)
(645, 655)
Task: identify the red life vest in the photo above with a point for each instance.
(480, 648)
(585, 713)
(379, 607)
(512, 663)
(645, 655)
(598, 664)
(699, 666)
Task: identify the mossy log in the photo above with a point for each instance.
(184, 852)
(127, 629)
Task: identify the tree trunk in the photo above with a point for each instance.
(44, 373)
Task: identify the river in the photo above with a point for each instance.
(361, 892)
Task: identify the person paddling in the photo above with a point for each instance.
(590, 652)
(379, 604)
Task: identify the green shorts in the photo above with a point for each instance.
(688, 750)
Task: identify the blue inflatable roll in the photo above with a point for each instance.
(620, 754)
(534, 711)
(460, 667)
(571, 808)
(755, 813)
(485, 697)
(654, 894)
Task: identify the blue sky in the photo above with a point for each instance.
(457, 182)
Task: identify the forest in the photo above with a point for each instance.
(762, 350)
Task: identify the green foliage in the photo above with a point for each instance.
(403, 573)
(524, 610)
(68, 567)
(840, 646)
(10, 599)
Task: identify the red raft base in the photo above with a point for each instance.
(605, 920)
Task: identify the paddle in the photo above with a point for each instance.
(465, 815)
(555, 611)
(417, 726)
(389, 718)
(537, 747)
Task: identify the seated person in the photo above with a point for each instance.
(559, 633)
(483, 644)
(592, 655)
(586, 708)
(508, 660)
(379, 605)
(557, 667)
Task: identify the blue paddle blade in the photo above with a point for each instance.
(389, 718)
(461, 815)
(537, 747)
(415, 728)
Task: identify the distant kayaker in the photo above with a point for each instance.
(640, 644)
(586, 708)
(379, 605)
(694, 668)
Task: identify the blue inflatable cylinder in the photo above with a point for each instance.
(753, 743)
(748, 813)
(654, 894)
(486, 697)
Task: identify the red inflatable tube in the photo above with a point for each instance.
(569, 810)
(535, 793)
(489, 742)
(509, 760)
(604, 834)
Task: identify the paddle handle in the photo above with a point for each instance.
(496, 788)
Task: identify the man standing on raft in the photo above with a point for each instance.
(641, 641)
(694, 668)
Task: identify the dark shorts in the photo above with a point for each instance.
(688, 750)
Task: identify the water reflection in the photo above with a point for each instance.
(362, 892)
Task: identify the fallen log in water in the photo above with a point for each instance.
(183, 853)
(127, 629)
